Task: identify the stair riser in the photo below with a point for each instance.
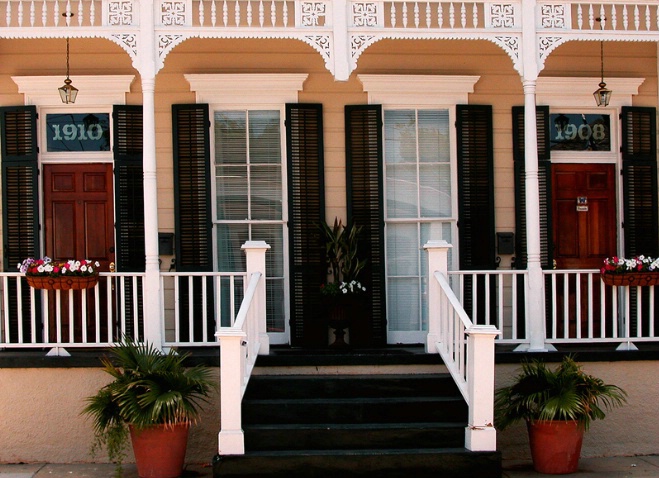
(380, 465)
(362, 412)
(333, 439)
(343, 386)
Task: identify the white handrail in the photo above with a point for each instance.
(466, 349)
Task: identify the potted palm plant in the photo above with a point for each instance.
(153, 399)
(558, 405)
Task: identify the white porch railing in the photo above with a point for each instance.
(466, 349)
(588, 313)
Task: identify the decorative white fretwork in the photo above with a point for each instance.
(173, 13)
(358, 44)
(323, 44)
(547, 44)
(120, 12)
(553, 16)
(502, 15)
(511, 45)
(313, 14)
(128, 41)
(166, 43)
(365, 14)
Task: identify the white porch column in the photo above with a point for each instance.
(153, 326)
(255, 258)
(480, 434)
(437, 261)
(535, 292)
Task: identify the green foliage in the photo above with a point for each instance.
(148, 388)
(341, 251)
(566, 393)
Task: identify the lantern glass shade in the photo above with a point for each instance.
(68, 92)
(602, 95)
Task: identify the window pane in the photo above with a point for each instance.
(273, 234)
(402, 250)
(266, 192)
(264, 140)
(403, 304)
(230, 137)
(231, 184)
(400, 136)
(433, 136)
(230, 238)
(402, 191)
(435, 190)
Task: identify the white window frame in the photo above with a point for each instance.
(242, 92)
(418, 92)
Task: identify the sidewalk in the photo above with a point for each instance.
(612, 467)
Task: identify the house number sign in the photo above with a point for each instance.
(74, 132)
(580, 132)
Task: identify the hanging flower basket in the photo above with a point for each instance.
(62, 283)
(631, 279)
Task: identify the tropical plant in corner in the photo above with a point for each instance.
(149, 389)
(551, 398)
(342, 258)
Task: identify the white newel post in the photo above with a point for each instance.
(480, 434)
(231, 440)
(437, 261)
(255, 258)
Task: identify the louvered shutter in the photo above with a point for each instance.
(363, 126)
(20, 202)
(475, 187)
(129, 188)
(639, 170)
(304, 146)
(192, 187)
(544, 180)
(192, 208)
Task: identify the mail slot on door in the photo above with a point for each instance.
(582, 204)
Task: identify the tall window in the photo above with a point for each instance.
(249, 197)
(419, 207)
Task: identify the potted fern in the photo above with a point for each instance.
(558, 405)
(153, 399)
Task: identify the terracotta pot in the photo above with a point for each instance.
(631, 279)
(160, 450)
(555, 446)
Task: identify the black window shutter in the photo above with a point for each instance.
(639, 169)
(129, 188)
(20, 206)
(192, 201)
(476, 187)
(544, 180)
(306, 187)
(363, 126)
(20, 199)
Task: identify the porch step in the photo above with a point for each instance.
(389, 425)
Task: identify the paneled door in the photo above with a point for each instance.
(584, 223)
(79, 224)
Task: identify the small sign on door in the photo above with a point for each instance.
(582, 204)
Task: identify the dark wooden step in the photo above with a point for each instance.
(344, 386)
(355, 410)
(444, 462)
(353, 436)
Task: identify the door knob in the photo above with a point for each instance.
(112, 266)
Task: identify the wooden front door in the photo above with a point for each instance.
(584, 232)
(79, 224)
